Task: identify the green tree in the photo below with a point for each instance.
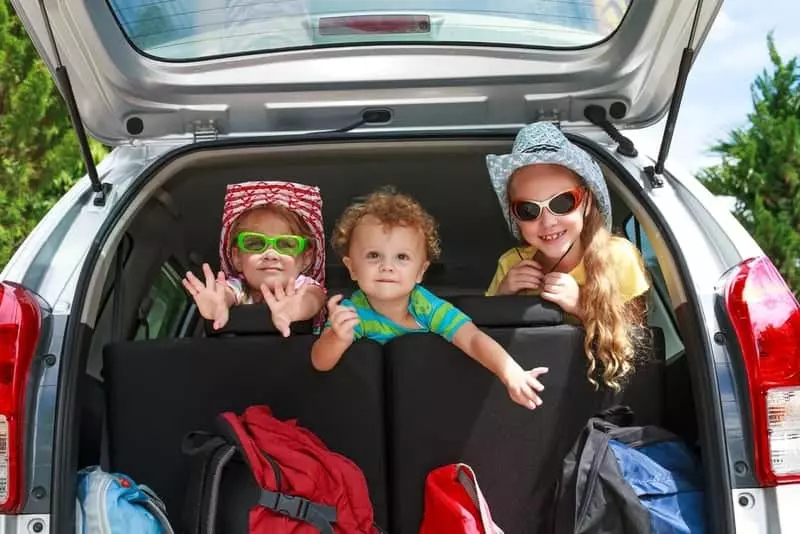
(39, 154)
(760, 166)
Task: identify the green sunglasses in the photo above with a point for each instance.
(255, 243)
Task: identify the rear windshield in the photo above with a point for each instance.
(193, 29)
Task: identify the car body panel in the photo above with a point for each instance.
(123, 94)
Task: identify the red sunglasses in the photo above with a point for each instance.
(559, 204)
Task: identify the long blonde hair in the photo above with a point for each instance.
(612, 324)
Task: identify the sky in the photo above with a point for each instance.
(717, 96)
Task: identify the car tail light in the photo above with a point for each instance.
(20, 324)
(766, 319)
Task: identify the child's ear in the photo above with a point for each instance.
(236, 258)
(422, 271)
(349, 264)
(306, 260)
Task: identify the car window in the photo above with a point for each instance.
(659, 310)
(635, 233)
(164, 310)
(192, 29)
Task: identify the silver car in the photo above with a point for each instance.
(349, 95)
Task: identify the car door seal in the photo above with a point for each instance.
(62, 79)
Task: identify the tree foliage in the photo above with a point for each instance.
(39, 154)
(760, 165)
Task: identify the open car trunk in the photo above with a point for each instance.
(397, 410)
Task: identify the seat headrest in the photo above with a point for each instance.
(510, 311)
(505, 311)
(254, 320)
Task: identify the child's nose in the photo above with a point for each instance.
(547, 218)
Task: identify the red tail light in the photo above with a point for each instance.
(766, 319)
(374, 24)
(20, 324)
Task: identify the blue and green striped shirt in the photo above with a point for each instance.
(431, 313)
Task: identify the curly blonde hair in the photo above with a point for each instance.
(391, 209)
(613, 325)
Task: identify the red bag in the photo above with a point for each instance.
(454, 503)
(307, 469)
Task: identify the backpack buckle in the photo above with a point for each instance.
(288, 505)
(319, 515)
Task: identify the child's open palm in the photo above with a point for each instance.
(285, 303)
(209, 297)
(524, 386)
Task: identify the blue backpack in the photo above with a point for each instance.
(112, 503)
(620, 478)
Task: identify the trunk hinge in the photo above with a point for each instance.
(553, 116)
(62, 79)
(655, 172)
(204, 131)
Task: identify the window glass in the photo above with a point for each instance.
(192, 29)
(165, 307)
(659, 309)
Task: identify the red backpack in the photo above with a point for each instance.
(302, 487)
(454, 503)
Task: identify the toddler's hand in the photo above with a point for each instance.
(527, 274)
(343, 319)
(284, 303)
(522, 386)
(209, 297)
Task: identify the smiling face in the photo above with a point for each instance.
(269, 266)
(549, 233)
(386, 261)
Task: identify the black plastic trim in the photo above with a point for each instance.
(68, 416)
(746, 479)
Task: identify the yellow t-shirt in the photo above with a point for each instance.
(628, 267)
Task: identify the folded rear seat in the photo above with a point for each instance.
(446, 408)
(157, 391)
(397, 411)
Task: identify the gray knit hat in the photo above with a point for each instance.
(543, 143)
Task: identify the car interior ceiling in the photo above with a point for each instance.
(181, 225)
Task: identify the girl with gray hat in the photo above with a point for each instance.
(555, 199)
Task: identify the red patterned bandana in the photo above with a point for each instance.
(304, 200)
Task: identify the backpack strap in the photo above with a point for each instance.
(615, 415)
(208, 455)
(156, 506)
(466, 477)
(581, 465)
(318, 515)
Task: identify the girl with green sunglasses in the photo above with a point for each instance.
(272, 251)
